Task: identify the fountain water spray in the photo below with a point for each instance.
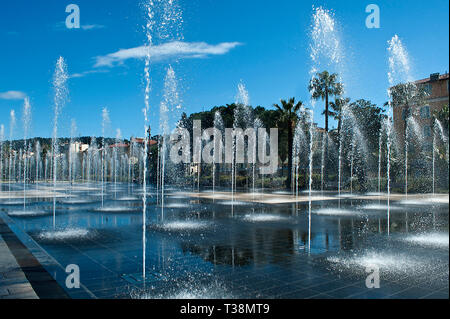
(241, 120)
(311, 143)
(105, 123)
(298, 148)
(60, 89)
(399, 72)
(257, 125)
(26, 126)
(115, 158)
(379, 159)
(2, 137)
(38, 162)
(433, 155)
(326, 52)
(170, 104)
(389, 141)
(444, 138)
(218, 125)
(12, 124)
(73, 130)
(149, 40)
(325, 47)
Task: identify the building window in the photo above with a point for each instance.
(425, 112)
(428, 88)
(427, 131)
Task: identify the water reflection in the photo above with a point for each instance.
(202, 237)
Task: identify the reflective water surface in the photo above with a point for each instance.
(202, 247)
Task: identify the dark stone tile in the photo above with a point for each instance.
(299, 294)
(412, 293)
(346, 292)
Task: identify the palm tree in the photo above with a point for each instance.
(288, 116)
(322, 86)
(336, 112)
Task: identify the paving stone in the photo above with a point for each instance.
(4, 291)
(20, 288)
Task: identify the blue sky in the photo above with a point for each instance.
(272, 58)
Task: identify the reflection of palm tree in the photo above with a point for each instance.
(288, 119)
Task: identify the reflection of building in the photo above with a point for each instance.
(437, 87)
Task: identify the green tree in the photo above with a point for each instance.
(369, 118)
(405, 95)
(288, 117)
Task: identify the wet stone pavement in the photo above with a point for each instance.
(203, 248)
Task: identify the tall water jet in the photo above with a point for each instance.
(60, 94)
(38, 163)
(105, 123)
(341, 137)
(240, 121)
(352, 162)
(198, 144)
(399, 72)
(115, 158)
(130, 159)
(26, 126)
(297, 149)
(257, 125)
(169, 104)
(433, 158)
(379, 158)
(388, 173)
(19, 171)
(219, 126)
(399, 65)
(12, 124)
(2, 137)
(148, 32)
(326, 53)
(322, 161)
(444, 139)
(311, 143)
(325, 46)
(73, 130)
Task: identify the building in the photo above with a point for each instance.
(437, 88)
(78, 147)
(141, 141)
(124, 147)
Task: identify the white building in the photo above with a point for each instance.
(78, 147)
